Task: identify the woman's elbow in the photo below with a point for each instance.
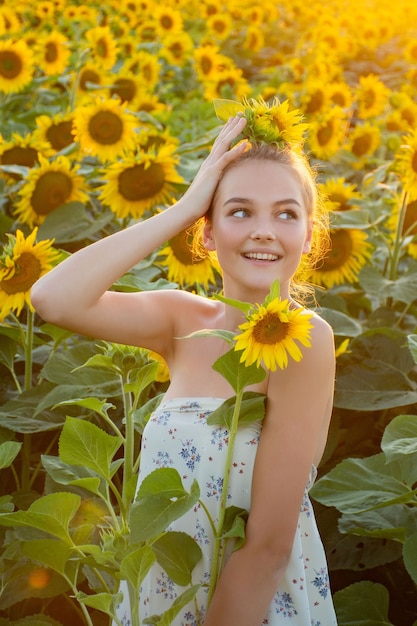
(45, 302)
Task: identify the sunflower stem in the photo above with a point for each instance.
(129, 448)
(27, 437)
(218, 542)
(396, 250)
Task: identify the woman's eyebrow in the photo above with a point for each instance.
(278, 203)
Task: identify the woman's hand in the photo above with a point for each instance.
(200, 193)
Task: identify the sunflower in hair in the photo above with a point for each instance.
(272, 123)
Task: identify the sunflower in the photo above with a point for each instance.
(140, 182)
(47, 187)
(270, 335)
(339, 195)
(162, 374)
(207, 60)
(56, 130)
(183, 267)
(348, 254)
(21, 264)
(363, 141)
(127, 87)
(16, 66)
(219, 25)
(53, 53)
(405, 163)
(89, 77)
(177, 48)
(145, 65)
(326, 133)
(254, 39)
(23, 151)
(371, 96)
(168, 20)
(103, 46)
(11, 20)
(340, 94)
(104, 129)
(316, 97)
(266, 122)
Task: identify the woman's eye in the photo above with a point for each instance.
(287, 215)
(239, 213)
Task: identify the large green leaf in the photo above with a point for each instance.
(83, 443)
(136, 565)
(402, 289)
(71, 222)
(51, 514)
(21, 414)
(362, 604)
(252, 410)
(8, 452)
(167, 618)
(409, 555)
(48, 552)
(178, 554)
(400, 438)
(236, 373)
(341, 323)
(392, 522)
(356, 485)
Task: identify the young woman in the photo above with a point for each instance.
(259, 205)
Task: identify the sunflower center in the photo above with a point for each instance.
(60, 135)
(106, 128)
(102, 48)
(410, 221)
(206, 64)
(369, 98)
(125, 88)
(52, 190)
(27, 272)
(315, 103)
(166, 22)
(51, 52)
(270, 329)
(10, 64)
(414, 162)
(340, 252)
(137, 183)
(20, 156)
(89, 76)
(325, 133)
(181, 248)
(361, 145)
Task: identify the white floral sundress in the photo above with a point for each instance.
(178, 436)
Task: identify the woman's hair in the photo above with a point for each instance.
(299, 164)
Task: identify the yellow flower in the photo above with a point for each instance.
(89, 76)
(103, 46)
(140, 182)
(269, 123)
(338, 195)
(219, 25)
(47, 187)
(23, 151)
(184, 267)
(405, 163)
(16, 66)
(56, 130)
(207, 60)
(144, 65)
(177, 48)
(349, 252)
(128, 88)
(53, 53)
(23, 261)
(326, 133)
(363, 141)
(104, 129)
(168, 20)
(271, 332)
(162, 374)
(371, 96)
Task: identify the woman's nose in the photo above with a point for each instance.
(262, 231)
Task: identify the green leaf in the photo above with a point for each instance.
(356, 485)
(167, 618)
(8, 349)
(71, 222)
(394, 522)
(36, 620)
(105, 602)
(227, 335)
(362, 604)
(225, 109)
(412, 344)
(8, 452)
(51, 514)
(342, 324)
(144, 376)
(164, 482)
(151, 514)
(21, 414)
(402, 289)
(236, 373)
(48, 552)
(136, 565)
(94, 404)
(409, 555)
(178, 554)
(238, 304)
(234, 525)
(83, 443)
(252, 409)
(400, 438)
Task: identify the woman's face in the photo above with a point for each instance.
(259, 227)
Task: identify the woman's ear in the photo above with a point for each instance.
(208, 238)
(307, 242)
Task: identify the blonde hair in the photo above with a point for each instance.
(320, 242)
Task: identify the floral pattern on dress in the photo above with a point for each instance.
(177, 435)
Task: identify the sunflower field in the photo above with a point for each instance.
(106, 115)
